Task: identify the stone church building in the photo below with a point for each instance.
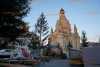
(63, 33)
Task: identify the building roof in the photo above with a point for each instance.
(93, 44)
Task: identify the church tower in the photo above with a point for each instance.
(76, 37)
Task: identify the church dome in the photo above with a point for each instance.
(63, 24)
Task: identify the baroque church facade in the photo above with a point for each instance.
(63, 35)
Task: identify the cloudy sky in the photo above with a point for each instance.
(84, 13)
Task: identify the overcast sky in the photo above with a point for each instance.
(84, 13)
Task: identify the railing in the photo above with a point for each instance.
(75, 53)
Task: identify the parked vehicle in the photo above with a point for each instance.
(5, 54)
(10, 54)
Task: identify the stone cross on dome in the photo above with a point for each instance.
(62, 11)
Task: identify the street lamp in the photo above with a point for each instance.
(69, 46)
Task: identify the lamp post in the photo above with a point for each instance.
(69, 46)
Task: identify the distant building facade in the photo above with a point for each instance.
(63, 34)
(93, 44)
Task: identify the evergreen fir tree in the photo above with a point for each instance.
(11, 14)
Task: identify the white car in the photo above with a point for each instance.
(5, 53)
(10, 54)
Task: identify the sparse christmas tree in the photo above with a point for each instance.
(42, 29)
